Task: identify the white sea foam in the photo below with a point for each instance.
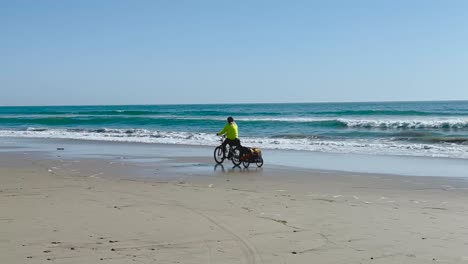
(407, 123)
(359, 146)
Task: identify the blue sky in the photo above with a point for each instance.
(157, 52)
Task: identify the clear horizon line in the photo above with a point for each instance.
(319, 102)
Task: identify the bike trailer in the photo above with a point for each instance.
(250, 153)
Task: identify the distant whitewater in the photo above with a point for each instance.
(435, 129)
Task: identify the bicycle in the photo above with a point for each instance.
(233, 153)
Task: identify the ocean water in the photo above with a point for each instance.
(430, 129)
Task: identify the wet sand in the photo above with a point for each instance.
(182, 209)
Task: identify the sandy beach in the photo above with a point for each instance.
(185, 210)
(111, 112)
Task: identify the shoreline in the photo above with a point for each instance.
(319, 161)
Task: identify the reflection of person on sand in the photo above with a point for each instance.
(232, 134)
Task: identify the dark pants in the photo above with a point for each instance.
(232, 143)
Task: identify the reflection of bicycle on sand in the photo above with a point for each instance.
(219, 168)
(238, 155)
(233, 153)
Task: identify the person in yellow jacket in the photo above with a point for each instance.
(232, 134)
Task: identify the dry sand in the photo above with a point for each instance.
(88, 211)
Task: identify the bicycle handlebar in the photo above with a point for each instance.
(221, 137)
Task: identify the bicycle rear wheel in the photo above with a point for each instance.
(236, 157)
(218, 155)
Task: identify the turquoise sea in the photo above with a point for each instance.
(434, 129)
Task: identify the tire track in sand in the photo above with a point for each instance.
(250, 254)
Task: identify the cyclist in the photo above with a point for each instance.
(232, 134)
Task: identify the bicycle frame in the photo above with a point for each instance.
(221, 153)
(230, 149)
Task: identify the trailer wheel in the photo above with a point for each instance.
(260, 162)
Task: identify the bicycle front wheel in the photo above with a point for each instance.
(218, 155)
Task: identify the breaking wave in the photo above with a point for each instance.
(441, 147)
